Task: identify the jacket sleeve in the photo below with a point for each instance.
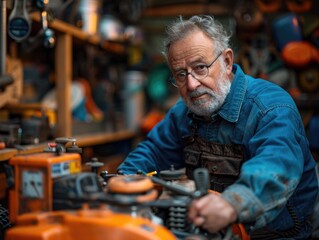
(162, 146)
(274, 167)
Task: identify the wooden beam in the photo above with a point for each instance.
(186, 10)
(63, 65)
(102, 138)
(94, 39)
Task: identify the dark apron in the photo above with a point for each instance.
(223, 162)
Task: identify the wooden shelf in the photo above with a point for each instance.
(7, 153)
(82, 141)
(186, 9)
(102, 138)
(66, 34)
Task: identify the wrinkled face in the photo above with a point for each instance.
(207, 95)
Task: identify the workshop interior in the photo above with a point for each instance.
(83, 81)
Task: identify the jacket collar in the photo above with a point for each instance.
(231, 108)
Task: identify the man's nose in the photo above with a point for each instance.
(191, 81)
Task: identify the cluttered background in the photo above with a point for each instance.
(94, 70)
(89, 76)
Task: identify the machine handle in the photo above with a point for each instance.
(179, 189)
(202, 181)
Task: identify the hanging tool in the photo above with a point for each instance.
(19, 26)
(45, 36)
(47, 33)
(5, 80)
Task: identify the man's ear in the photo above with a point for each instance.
(229, 59)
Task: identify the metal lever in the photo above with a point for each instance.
(201, 177)
(60, 147)
(202, 181)
(64, 140)
(179, 189)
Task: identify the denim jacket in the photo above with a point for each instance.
(277, 167)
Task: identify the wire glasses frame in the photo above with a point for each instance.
(199, 73)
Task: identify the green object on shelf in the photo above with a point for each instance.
(157, 85)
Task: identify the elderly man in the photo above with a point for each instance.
(247, 132)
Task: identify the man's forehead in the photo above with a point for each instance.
(190, 55)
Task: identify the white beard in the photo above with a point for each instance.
(207, 108)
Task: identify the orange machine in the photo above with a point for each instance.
(34, 175)
(121, 218)
(52, 200)
(125, 216)
(98, 224)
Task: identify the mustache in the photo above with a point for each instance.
(200, 91)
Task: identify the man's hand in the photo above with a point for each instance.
(212, 213)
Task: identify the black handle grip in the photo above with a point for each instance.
(202, 181)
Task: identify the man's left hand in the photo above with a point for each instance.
(212, 213)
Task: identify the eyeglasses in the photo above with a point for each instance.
(199, 72)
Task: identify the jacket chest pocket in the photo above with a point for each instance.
(222, 161)
(221, 165)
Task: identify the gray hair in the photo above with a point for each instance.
(212, 28)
